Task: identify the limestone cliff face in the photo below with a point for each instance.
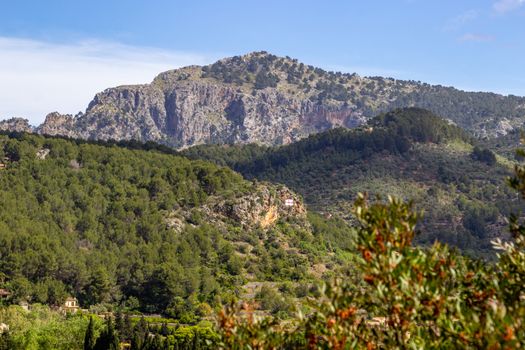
(58, 124)
(15, 124)
(269, 100)
(262, 207)
(187, 106)
(190, 112)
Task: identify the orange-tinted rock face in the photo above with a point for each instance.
(265, 206)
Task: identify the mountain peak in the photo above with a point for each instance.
(15, 124)
(263, 98)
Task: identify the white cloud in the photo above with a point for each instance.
(39, 77)
(479, 38)
(458, 21)
(503, 6)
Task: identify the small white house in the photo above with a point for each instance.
(71, 305)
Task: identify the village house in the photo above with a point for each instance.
(70, 305)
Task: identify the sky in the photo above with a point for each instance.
(55, 55)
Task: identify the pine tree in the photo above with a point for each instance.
(5, 341)
(113, 338)
(128, 328)
(89, 339)
(136, 341)
(156, 343)
(164, 330)
(108, 340)
(120, 326)
(196, 341)
(139, 335)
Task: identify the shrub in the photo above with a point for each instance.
(408, 297)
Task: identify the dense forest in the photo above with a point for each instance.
(166, 250)
(411, 153)
(399, 296)
(145, 231)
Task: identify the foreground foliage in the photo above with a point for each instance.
(409, 298)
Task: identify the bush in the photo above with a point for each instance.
(483, 155)
(408, 297)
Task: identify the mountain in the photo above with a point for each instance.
(410, 153)
(150, 231)
(16, 125)
(265, 99)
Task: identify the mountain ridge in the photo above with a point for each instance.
(266, 99)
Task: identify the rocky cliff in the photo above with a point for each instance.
(269, 100)
(15, 124)
(264, 206)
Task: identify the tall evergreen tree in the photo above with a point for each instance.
(164, 330)
(139, 335)
(136, 341)
(108, 340)
(128, 328)
(120, 325)
(89, 338)
(113, 338)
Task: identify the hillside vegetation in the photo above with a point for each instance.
(134, 228)
(411, 298)
(410, 153)
(478, 112)
(145, 231)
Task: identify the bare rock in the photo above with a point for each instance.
(263, 207)
(58, 124)
(15, 124)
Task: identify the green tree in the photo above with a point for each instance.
(406, 297)
(99, 287)
(5, 341)
(89, 338)
(139, 334)
(108, 339)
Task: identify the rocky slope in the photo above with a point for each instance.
(269, 100)
(15, 124)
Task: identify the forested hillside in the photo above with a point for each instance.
(410, 153)
(145, 231)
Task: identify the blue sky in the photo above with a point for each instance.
(56, 54)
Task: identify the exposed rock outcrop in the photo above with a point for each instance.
(58, 124)
(15, 124)
(262, 207)
(191, 112)
(268, 100)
